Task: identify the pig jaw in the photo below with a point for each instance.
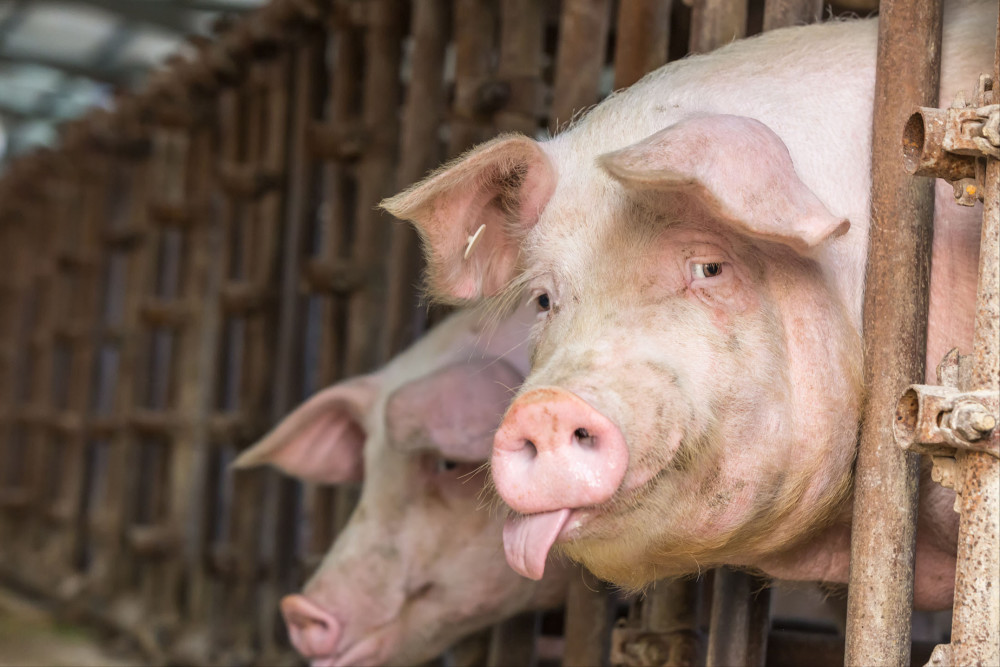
(417, 568)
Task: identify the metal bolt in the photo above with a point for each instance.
(972, 421)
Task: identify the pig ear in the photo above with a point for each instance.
(738, 169)
(473, 213)
(322, 440)
(455, 410)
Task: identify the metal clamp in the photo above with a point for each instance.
(938, 420)
(953, 143)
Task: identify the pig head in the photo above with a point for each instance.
(695, 253)
(694, 389)
(420, 563)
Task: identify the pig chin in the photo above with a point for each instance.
(696, 513)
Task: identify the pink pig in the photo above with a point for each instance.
(420, 563)
(695, 248)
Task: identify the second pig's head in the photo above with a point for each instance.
(420, 562)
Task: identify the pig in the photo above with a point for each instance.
(420, 562)
(695, 247)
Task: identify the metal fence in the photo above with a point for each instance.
(192, 264)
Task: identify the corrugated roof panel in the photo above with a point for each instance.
(61, 32)
(79, 95)
(23, 87)
(147, 48)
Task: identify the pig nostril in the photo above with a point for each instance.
(530, 447)
(582, 436)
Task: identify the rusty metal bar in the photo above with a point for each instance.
(255, 262)
(783, 13)
(583, 33)
(126, 271)
(475, 91)
(420, 149)
(61, 458)
(519, 72)
(512, 642)
(326, 509)
(883, 535)
(740, 620)
(588, 623)
(300, 207)
(975, 633)
(715, 23)
(642, 39)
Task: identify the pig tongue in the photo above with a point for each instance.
(527, 540)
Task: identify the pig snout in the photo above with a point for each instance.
(314, 632)
(555, 451)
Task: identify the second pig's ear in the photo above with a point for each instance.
(454, 410)
(473, 213)
(322, 440)
(735, 167)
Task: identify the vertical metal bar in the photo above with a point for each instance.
(880, 595)
(475, 23)
(716, 22)
(642, 39)
(522, 27)
(280, 521)
(740, 620)
(583, 34)
(589, 617)
(512, 641)
(420, 149)
(376, 180)
(783, 13)
(975, 631)
(671, 608)
(326, 509)
(127, 265)
(77, 316)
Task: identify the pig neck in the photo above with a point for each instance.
(826, 556)
(954, 276)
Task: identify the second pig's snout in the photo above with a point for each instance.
(555, 451)
(313, 631)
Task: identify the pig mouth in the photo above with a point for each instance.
(380, 642)
(366, 651)
(528, 538)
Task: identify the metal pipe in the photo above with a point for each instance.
(975, 634)
(880, 595)
(588, 622)
(740, 620)
(715, 23)
(782, 13)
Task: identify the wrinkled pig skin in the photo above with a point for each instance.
(420, 563)
(695, 246)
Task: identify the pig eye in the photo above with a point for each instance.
(706, 270)
(543, 302)
(446, 465)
